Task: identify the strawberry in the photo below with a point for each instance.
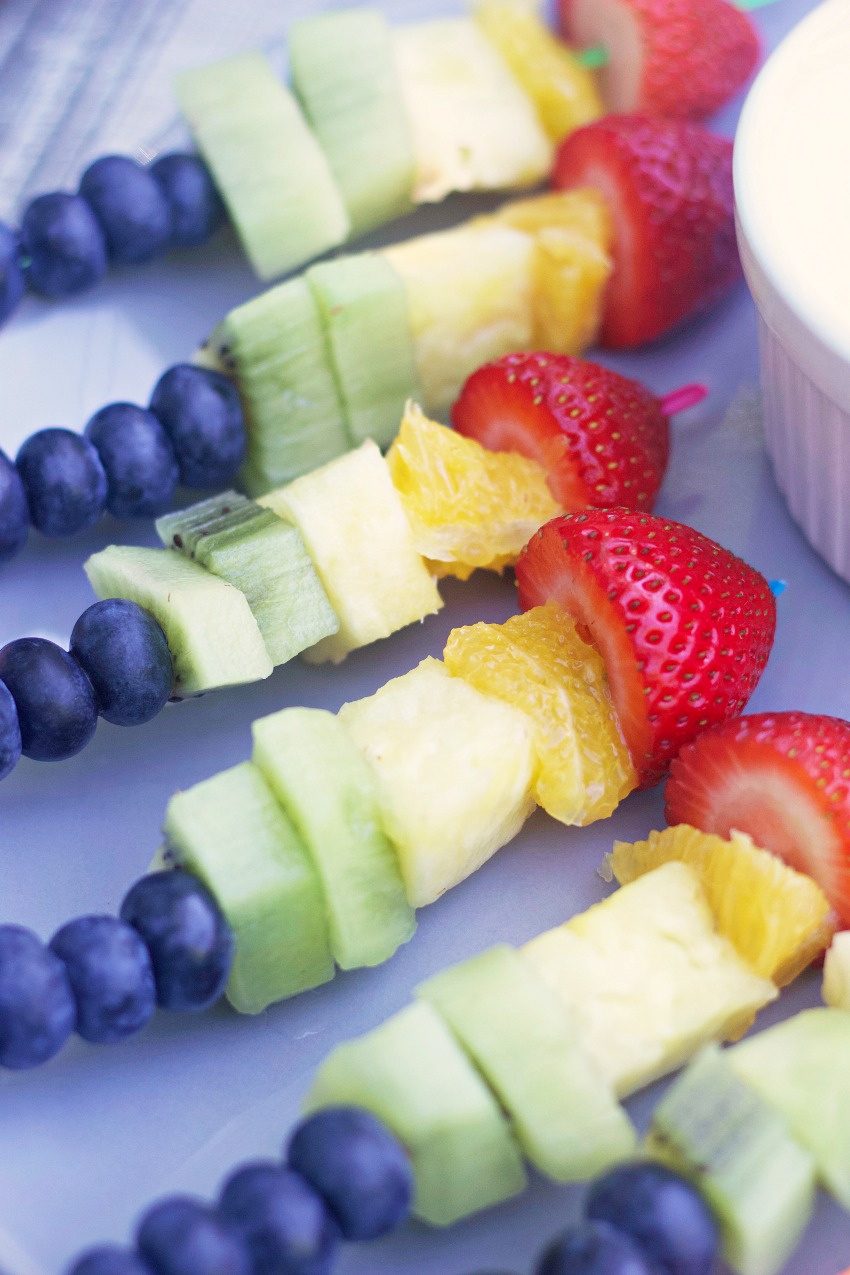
(603, 439)
(784, 778)
(668, 186)
(684, 627)
(679, 58)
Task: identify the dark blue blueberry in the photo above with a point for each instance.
(360, 1169)
(37, 1009)
(594, 1248)
(190, 943)
(10, 733)
(196, 207)
(141, 468)
(57, 710)
(283, 1222)
(181, 1236)
(11, 274)
(65, 245)
(202, 415)
(131, 207)
(662, 1212)
(111, 977)
(108, 1259)
(123, 651)
(64, 480)
(14, 513)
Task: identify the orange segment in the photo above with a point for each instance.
(538, 663)
(468, 507)
(778, 919)
(571, 265)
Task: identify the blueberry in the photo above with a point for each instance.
(361, 1171)
(10, 733)
(11, 274)
(64, 480)
(123, 651)
(108, 1259)
(141, 468)
(131, 207)
(662, 1212)
(181, 1236)
(65, 245)
(202, 415)
(56, 706)
(190, 943)
(196, 207)
(14, 513)
(281, 1219)
(111, 976)
(37, 1009)
(593, 1248)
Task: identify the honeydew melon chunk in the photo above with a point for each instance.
(473, 126)
(344, 75)
(231, 832)
(211, 632)
(758, 1179)
(647, 978)
(265, 557)
(469, 298)
(412, 1074)
(277, 349)
(267, 164)
(564, 1115)
(454, 773)
(330, 794)
(800, 1068)
(363, 304)
(358, 536)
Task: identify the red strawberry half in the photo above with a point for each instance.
(679, 58)
(684, 627)
(669, 190)
(603, 439)
(784, 778)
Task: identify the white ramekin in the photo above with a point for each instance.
(792, 193)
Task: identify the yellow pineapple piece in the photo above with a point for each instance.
(571, 265)
(468, 507)
(779, 920)
(560, 86)
(836, 973)
(648, 978)
(469, 295)
(538, 662)
(472, 124)
(454, 773)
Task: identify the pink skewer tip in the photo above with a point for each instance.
(682, 399)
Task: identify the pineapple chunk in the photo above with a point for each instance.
(469, 294)
(473, 125)
(836, 973)
(571, 266)
(648, 978)
(356, 531)
(454, 771)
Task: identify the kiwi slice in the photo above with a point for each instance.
(270, 169)
(329, 791)
(266, 558)
(363, 303)
(412, 1074)
(276, 348)
(211, 632)
(800, 1068)
(231, 832)
(759, 1180)
(344, 74)
(564, 1115)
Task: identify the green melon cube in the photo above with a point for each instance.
(231, 832)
